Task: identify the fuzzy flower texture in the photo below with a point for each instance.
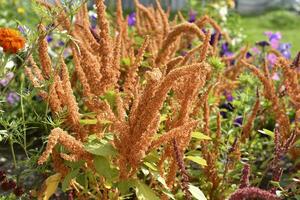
(11, 40)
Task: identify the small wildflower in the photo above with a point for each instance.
(248, 55)
(5, 81)
(12, 98)
(61, 43)
(284, 49)
(11, 40)
(272, 58)
(238, 122)
(49, 38)
(228, 96)
(274, 38)
(192, 16)
(276, 76)
(263, 44)
(213, 38)
(132, 19)
(255, 50)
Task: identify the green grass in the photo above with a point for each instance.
(287, 23)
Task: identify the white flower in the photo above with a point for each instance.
(223, 13)
(10, 64)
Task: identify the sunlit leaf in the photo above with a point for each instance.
(196, 192)
(103, 167)
(88, 121)
(200, 136)
(198, 160)
(100, 149)
(49, 187)
(144, 192)
(267, 132)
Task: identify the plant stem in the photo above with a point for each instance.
(23, 119)
(11, 144)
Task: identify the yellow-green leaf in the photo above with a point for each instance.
(200, 136)
(50, 186)
(196, 192)
(198, 160)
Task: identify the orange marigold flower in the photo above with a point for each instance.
(11, 40)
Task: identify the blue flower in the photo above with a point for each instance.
(49, 38)
(61, 43)
(132, 19)
(285, 49)
(12, 98)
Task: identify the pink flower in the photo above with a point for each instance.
(272, 58)
(255, 50)
(276, 76)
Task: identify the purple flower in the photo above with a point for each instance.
(238, 122)
(9, 76)
(263, 43)
(49, 38)
(61, 43)
(12, 98)
(248, 55)
(21, 29)
(213, 38)
(285, 49)
(226, 107)
(228, 96)
(274, 38)
(225, 50)
(192, 16)
(132, 19)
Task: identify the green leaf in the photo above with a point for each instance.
(88, 121)
(125, 61)
(200, 136)
(196, 192)
(125, 185)
(267, 132)
(198, 160)
(150, 166)
(100, 149)
(103, 167)
(68, 178)
(144, 192)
